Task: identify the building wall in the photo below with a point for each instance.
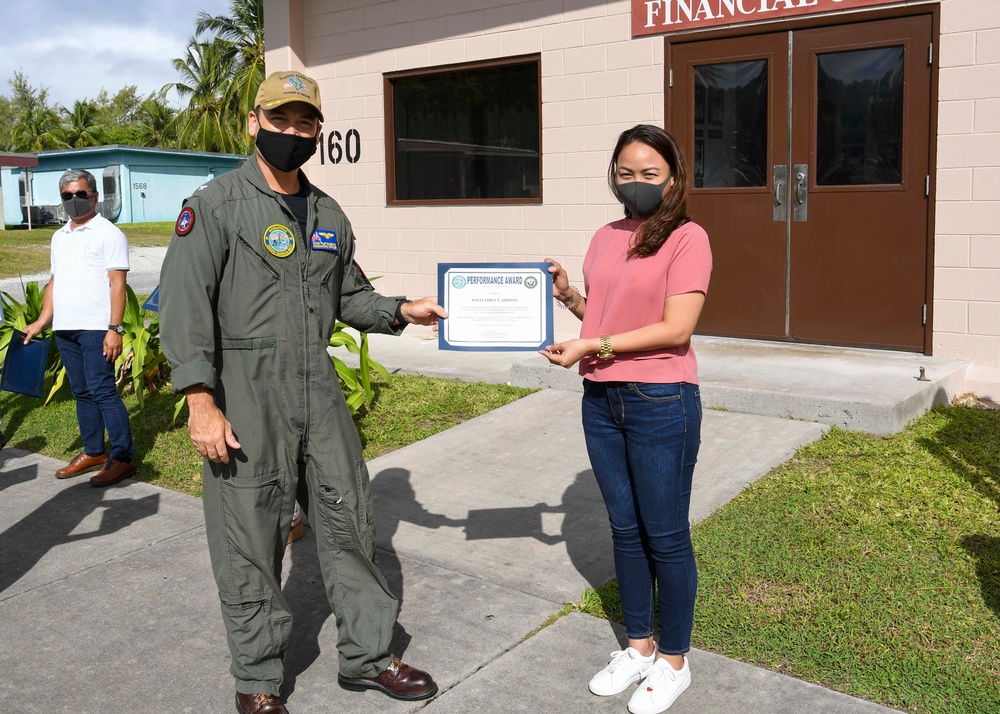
(967, 231)
(166, 179)
(596, 82)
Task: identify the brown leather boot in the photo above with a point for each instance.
(296, 532)
(259, 704)
(398, 680)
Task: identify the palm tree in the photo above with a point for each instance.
(35, 125)
(38, 129)
(205, 124)
(241, 37)
(80, 125)
(156, 121)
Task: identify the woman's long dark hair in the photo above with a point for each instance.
(672, 214)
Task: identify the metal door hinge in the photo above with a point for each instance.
(925, 315)
(927, 186)
(670, 79)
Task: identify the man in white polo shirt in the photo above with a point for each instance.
(85, 301)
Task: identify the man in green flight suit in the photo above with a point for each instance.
(259, 269)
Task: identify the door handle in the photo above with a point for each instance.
(780, 179)
(801, 192)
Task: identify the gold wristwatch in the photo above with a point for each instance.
(606, 351)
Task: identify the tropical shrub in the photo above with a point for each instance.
(139, 365)
(357, 383)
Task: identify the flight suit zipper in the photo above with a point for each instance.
(303, 271)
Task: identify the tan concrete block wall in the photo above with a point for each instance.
(596, 81)
(967, 231)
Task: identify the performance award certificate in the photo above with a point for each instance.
(495, 306)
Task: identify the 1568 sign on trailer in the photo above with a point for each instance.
(654, 17)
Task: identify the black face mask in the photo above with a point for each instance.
(77, 207)
(285, 152)
(640, 198)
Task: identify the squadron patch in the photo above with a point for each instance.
(185, 222)
(279, 240)
(325, 240)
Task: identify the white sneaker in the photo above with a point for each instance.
(661, 687)
(625, 669)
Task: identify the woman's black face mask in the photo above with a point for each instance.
(642, 199)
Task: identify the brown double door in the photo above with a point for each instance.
(810, 160)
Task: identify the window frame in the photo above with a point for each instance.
(390, 145)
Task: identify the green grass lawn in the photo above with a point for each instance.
(867, 565)
(405, 409)
(24, 252)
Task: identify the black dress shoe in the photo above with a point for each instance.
(259, 704)
(398, 680)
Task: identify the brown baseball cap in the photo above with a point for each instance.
(284, 87)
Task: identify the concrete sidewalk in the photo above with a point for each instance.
(107, 602)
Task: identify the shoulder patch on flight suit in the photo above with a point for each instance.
(279, 240)
(325, 240)
(361, 274)
(185, 222)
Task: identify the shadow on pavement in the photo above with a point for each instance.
(588, 549)
(15, 476)
(53, 523)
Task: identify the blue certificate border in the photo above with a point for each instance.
(545, 296)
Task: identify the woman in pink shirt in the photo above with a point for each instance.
(645, 277)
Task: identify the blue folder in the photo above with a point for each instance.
(24, 366)
(153, 301)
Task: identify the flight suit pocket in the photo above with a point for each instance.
(251, 508)
(364, 487)
(338, 521)
(329, 300)
(259, 631)
(251, 294)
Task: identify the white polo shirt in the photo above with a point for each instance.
(80, 261)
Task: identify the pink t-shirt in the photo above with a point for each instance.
(624, 295)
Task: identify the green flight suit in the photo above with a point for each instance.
(254, 327)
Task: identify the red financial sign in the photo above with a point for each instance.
(658, 17)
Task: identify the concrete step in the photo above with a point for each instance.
(874, 391)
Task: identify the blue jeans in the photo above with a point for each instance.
(98, 404)
(643, 443)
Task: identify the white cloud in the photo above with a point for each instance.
(76, 50)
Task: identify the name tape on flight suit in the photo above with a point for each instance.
(325, 240)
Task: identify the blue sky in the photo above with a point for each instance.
(76, 48)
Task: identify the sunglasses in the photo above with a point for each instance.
(67, 195)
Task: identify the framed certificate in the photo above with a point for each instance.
(495, 307)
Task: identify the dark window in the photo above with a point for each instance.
(859, 117)
(468, 134)
(730, 125)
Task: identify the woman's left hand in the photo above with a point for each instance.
(566, 354)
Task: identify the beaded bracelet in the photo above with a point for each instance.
(573, 303)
